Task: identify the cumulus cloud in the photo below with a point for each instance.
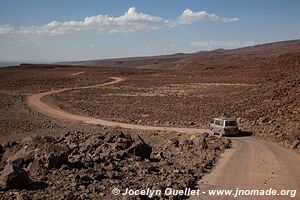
(130, 21)
(188, 17)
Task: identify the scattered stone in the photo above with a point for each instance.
(1, 149)
(53, 156)
(140, 148)
(174, 142)
(22, 157)
(296, 144)
(14, 177)
(82, 165)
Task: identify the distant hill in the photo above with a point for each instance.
(151, 62)
(252, 56)
(9, 64)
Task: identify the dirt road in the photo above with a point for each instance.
(255, 164)
(77, 73)
(250, 164)
(36, 103)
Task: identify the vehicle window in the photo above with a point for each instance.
(219, 122)
(230, 123)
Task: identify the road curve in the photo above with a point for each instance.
(249, 164)
(255, 164)
(36, 103)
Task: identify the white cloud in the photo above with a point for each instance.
(130, 21)
(188, 17)
(229, 20)
(6, 29)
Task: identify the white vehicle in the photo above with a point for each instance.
(224, 125)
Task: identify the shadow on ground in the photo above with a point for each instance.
(241, 134)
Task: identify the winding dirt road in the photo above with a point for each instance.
(250, 164)
(36, 103)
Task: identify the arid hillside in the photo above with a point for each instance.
(265, 97)
(56, 158)
(252, 56)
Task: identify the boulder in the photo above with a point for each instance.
(174, 142)
(140, 148)
(122, 143)
(158, 155)
(1, 149)
(53, 156)
(14, 177)
(91, 143)
(296, 144)
(9, 144)
(113, 135)
(201, 141)
(45, 150)
(22, 157)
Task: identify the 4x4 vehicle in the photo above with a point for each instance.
(224, 125)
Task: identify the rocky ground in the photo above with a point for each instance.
(276, 116)
(268, 104)
(59, 160)
(81, 165)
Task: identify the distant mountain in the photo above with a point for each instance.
(251, 56)
(8, 64)
(151, 62)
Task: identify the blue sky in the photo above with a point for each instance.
(59, 30)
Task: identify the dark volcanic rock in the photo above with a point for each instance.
(14, 177)
(174, 142)
(53, 156)
(22, 157)
(88, 166)
(295, 144)
(1, 149)
(112, 136)
(140, 148)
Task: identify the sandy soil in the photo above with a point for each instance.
(255, 164)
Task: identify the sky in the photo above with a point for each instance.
(69, 30)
